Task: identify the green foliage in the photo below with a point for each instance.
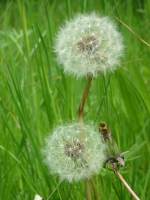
(35, 96)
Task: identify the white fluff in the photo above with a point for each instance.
(74, 151)
(89, 44)
(37, 197)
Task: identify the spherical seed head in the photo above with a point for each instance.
(74, 151)
(89, 44)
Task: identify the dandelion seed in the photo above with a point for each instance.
(37, 197)
(89, 44)
(74, 151)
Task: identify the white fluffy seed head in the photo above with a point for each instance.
(89, 44)
(74, 151)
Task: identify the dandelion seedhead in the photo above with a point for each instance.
(74, 151)
(89, 44)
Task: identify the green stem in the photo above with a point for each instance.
(94, 190)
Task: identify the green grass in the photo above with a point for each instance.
(35, 96)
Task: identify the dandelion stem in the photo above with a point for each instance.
(88, 189)
(124, 182)
(80, 118)
(84, 97)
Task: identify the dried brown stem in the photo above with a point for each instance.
(124, 182)
(107, 136)
(84, 97)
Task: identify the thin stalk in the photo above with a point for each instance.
(88, 189)
(84, 97)
(124, 182)
(80, 118)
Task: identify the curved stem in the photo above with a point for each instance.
(124, 182)
(84, 97)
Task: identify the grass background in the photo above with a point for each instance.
(35, 96)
